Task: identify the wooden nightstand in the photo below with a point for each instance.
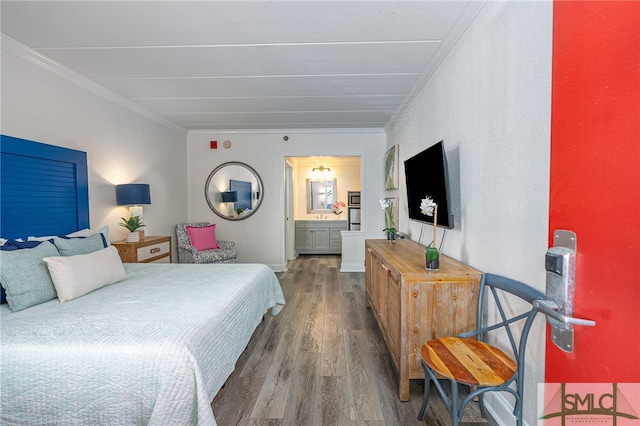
(148, 250)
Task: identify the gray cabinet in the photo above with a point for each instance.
(319, 236)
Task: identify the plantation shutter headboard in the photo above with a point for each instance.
(43, 189)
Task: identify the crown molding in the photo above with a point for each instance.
(288, 131)
(24, 52)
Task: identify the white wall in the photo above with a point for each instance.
(490, 103)
(47, 104)
(260, 238)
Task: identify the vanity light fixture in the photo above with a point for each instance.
(321, 169)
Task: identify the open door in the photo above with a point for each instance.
(289, 227)
(595, 192)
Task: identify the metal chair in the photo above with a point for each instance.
(467, 359)
(187, 253)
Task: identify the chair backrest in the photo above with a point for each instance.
(182, 236)
(489, 286)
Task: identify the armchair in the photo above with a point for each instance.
(187, 253)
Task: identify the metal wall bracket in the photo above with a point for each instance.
(566, 239)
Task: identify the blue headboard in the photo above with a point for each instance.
(43, 189)
(243, 190)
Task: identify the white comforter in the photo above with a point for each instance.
(153, 349)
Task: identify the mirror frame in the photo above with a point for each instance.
(211, 202)
(310, 209)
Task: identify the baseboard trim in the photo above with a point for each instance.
(277, 268)
(351, 267)
(500, 409)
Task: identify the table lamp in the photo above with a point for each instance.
(230, 197)
(133, 194)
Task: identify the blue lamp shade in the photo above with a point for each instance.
(133, 193)
(229, 197)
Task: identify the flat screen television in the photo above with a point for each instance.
(426, 174)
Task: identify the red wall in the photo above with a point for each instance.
(595, 183)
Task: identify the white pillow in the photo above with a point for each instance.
(75, 276)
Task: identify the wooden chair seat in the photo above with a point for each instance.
(468, 361)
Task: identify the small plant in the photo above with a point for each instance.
(239, 211)
(132, 224)
(337, 207)
(432, 253)
(392, 231)
(430, 208)
(389, 224)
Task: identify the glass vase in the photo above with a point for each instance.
(432, 259)
(391, 237)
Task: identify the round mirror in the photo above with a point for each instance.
(233, 191)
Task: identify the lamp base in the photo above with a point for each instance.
(136, 211)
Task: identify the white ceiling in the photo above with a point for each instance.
(249, 65)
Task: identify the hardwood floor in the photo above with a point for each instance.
(322, 361)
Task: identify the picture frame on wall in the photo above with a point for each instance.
(391, 162)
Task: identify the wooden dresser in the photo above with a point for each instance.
(147, 250)
(413, 305)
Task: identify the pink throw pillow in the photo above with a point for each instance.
(203, 238)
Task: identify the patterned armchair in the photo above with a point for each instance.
(188, 253)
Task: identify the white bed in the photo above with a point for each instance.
(152, 349)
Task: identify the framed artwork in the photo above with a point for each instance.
(391, 168)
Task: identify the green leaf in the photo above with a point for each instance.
(133, 223)
(432, 253)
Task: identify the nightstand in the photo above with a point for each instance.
(147, 250)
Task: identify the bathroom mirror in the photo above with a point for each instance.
(321, 193)
(234, 191)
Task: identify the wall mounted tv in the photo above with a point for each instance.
(426, 174)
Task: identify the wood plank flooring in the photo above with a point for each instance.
(322, 361)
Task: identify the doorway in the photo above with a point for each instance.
(347, 170)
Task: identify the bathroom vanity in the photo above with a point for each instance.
(319, 236)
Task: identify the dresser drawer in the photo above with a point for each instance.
(336, 234)
(154, 250)
(165, 259)
(146, 250)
